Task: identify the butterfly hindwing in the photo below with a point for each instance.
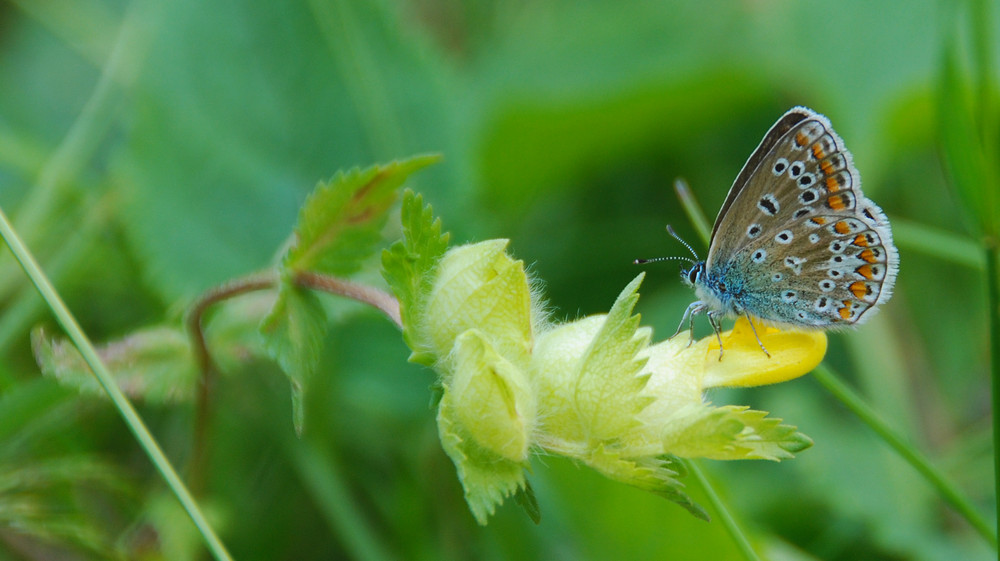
(797, 235)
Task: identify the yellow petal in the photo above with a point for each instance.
(793, 353)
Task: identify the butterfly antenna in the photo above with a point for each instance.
(673, 234)
(676, 237)
(655, 259)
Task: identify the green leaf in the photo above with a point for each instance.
(608, 392)
(153, 364)
(969, 164)
(407, 266)
(659, 475)
(734, 433)
(486, 477)
(341, 221)
(293, 334)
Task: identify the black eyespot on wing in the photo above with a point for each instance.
(768, 204)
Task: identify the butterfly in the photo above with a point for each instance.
(796, 243)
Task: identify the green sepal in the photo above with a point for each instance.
(609, 390)
(525, 497)
(341, 222)
(657, 474)
(487, 478)
(734, 433)
(408, 265)
(491, 398)
(293, 336)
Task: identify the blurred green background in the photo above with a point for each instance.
(151, 150)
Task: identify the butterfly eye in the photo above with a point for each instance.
(691, 274)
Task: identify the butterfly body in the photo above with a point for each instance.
(796, 242)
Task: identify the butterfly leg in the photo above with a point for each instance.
(694, 309)
(759, 342)
(715, 327)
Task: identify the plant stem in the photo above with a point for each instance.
(993, 306)
(733, 527)
(695, 214)
(125, 408)
(945, 488)
(198, 465)
(251, 283)
(379, 299)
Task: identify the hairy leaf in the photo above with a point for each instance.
(153, 364)
(609, 382)
(659, 475)
(486, 477)
(407, 266)
(293, 334)
(341, 221)
(735, 433)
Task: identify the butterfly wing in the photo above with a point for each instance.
(798, 236)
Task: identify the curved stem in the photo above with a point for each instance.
(206, 366)
(379, 299)
(383, 301)
(251, 283)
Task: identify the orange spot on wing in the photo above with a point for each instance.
(861, 240)
(818, 152)
(869, 256)
(826, 166)
(842, 227)
(845, 311)
(801, 139)
(832, 184)
(818, 220)
(836, 202)
(859, 288)
(865, 271)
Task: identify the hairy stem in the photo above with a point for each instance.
(206, 366)
(379, 299)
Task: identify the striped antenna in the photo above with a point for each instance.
(674, 235)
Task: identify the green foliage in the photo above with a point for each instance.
(407, 266)
(154, 364)
(609, 383)
(49, 491)
(341, 221)
(150, 151)
(339, 226)
(737, 433)
(293, 334)
(486, 477)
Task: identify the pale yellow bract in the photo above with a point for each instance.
(594, 389)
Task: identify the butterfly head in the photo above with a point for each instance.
(693, 275)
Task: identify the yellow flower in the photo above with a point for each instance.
(593, 389)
